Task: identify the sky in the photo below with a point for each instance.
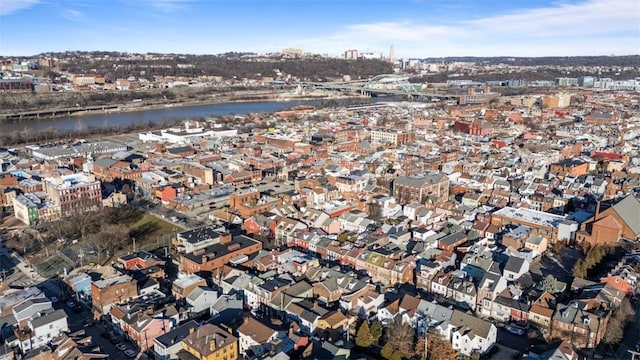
(415, 28)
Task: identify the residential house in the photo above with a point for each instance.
(167, 346)
(209, 342)
(471, 334)
(41, 329)
(254, 338)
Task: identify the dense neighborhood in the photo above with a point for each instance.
(485, 227)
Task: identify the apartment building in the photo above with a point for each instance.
(75, 193)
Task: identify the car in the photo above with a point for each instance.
(71, 303)
(54, 299)
(113, 340)
(121, 346)
(106, 335)
(130, 353)
(77, 308)
(516, 330)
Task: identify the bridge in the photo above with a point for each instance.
(385, 84)
(55, 112)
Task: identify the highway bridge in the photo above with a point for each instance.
(385, 84)
(55, 112)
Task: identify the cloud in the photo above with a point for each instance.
(72, 14)
(169, 5)
(588, 27)
(10, 6)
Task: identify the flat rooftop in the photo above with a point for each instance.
(540, 218)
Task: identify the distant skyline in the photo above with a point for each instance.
(416, 28)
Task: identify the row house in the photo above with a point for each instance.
(581, 325)
(141, 326)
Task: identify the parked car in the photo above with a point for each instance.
(54, 299)
(514, 329)
(130, 353)
(71, 303)
(121, 346)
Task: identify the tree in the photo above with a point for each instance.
(387, 351)
(439, 348)
(548, 284)
(618, 322)
(363, 337)
(401, 336)
(376, 331)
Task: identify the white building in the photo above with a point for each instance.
(42, 329)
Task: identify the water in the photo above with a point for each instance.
(154, 115)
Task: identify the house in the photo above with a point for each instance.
(471, 334)
(105, 293)
(41, 329)
(462, 292)
(142, 326)
(30, 308)
(537, 244)
(209, 342)
(139, 260)
(541, 312)
(183, 286)
(489, 287)
(166, 346)
(562, 350)
(254, 337)
(452, 241)
(581, 325)
(515, 267)
(79, 285)
(200, 299)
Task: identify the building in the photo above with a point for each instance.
(75, 193)
(106, 293)
(167, 346)
(42, 329)
(432, 188)
(544, 224)
(199, 238)
(607, 226)
(351, 54)
(580, 324)
(471, 334)
(570, 167)
(389, 137)
(215, 256)
(209, 342)
(255, 337)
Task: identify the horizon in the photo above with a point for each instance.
(416, 28)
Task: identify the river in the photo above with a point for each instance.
(156, 115)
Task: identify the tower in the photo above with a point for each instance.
(392, 55)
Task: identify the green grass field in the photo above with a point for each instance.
(150, 230)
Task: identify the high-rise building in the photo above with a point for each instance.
(351, 54)
(392, 55)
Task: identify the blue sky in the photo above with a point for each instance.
(416, 28)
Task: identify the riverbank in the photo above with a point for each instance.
(235, 97)
(127, 108)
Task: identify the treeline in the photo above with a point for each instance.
(314, 69)
(54, 135)
(18, 102)
(626, 60)
(546, 74)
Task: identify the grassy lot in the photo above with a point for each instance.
(151, 230)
